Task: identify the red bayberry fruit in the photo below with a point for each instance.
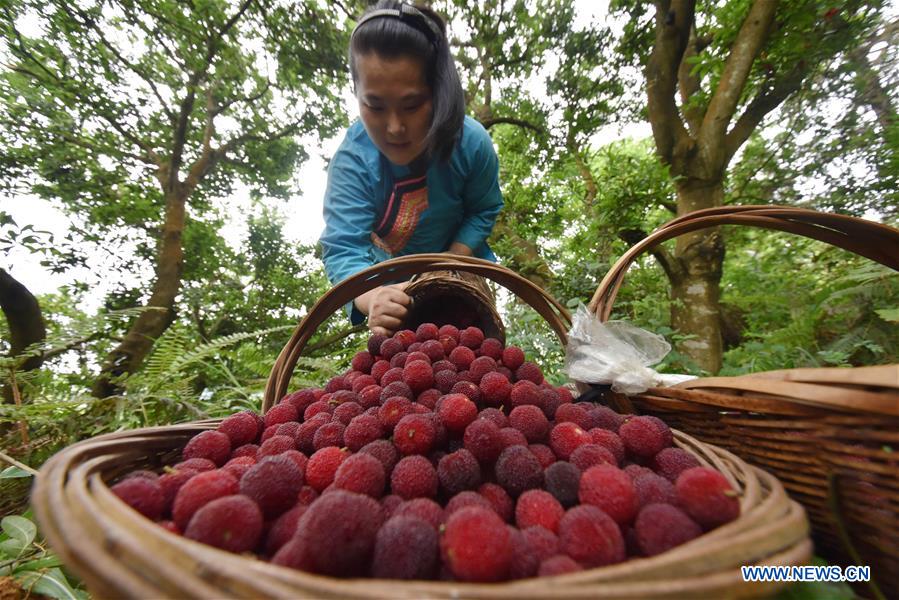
(322, 466)
(495, 389)
(405, 548)
(476, 545)
(142, 494)
(212, 445)
(414, 477)
(518, 470)
(414, 434)
(456, 412)
(483, 439)
(458, 471)
(610, 489)
(707, 497)
(538, 507)
(338, 531)
(671, 462)
(241, 428)
(660, 527)
(563, 481)
(590, 536)
(566, 437)
(559, 564)
(361, 473)
(499, 499)
(273, 483)
(232, 523)
(642, 437)
(200, 490)
(530, 421)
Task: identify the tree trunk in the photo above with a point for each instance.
(128, 356)
(25, 321)
(695, 290)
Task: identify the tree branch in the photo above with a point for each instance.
(488, 123)
(86, 21)
(689, 84)
(745, 49)
(673, 18)
(760, 106)
(666, 260)
(248, 99)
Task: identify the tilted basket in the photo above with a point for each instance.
(830, 435)
(119, 553)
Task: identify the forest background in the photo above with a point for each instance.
(142, 120)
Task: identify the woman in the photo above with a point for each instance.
(414, 174)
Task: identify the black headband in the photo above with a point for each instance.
(409, 15)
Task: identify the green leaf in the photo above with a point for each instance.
(14, 473)
(19, 528)
(889, 314)
(12, 548)
(52, 583)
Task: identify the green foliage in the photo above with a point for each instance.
(36, 569)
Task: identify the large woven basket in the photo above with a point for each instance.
(831, 435)
(120, 554)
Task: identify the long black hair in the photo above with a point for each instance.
(401, 29)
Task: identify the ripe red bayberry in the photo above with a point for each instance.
(495, 389)
(414, 434)
(642, 437)
(707, 497)
(660, 527)
(458, 471)
(273, 483)
(418, 375)
(530, 421)
(414, 477)
(241, 428)
(338, 533)
(361, 473)
(538, 507)
(590, 537)
(232, 523)
(214, 445)
(200, 490)
(143, 495)
(323, 465)
(610, 489)
(471, 337)
(566, 437)
(456, 412)
(518, 470)
(671, 462)
(475, 545)
(405, 548)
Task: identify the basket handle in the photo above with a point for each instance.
(401, 268)
(872, 240)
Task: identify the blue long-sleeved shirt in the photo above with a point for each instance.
(463, 201)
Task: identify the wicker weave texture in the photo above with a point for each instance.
(830, 435)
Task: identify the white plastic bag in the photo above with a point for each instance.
(616, 353)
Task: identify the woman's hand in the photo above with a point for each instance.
(386, 307)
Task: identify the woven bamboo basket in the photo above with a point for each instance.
(120, 554)
(456, 298)
(830, 435)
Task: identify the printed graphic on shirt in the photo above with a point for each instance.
(408, 200)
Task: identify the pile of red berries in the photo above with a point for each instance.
(440, 454)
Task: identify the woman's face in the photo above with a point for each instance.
(395, 104)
